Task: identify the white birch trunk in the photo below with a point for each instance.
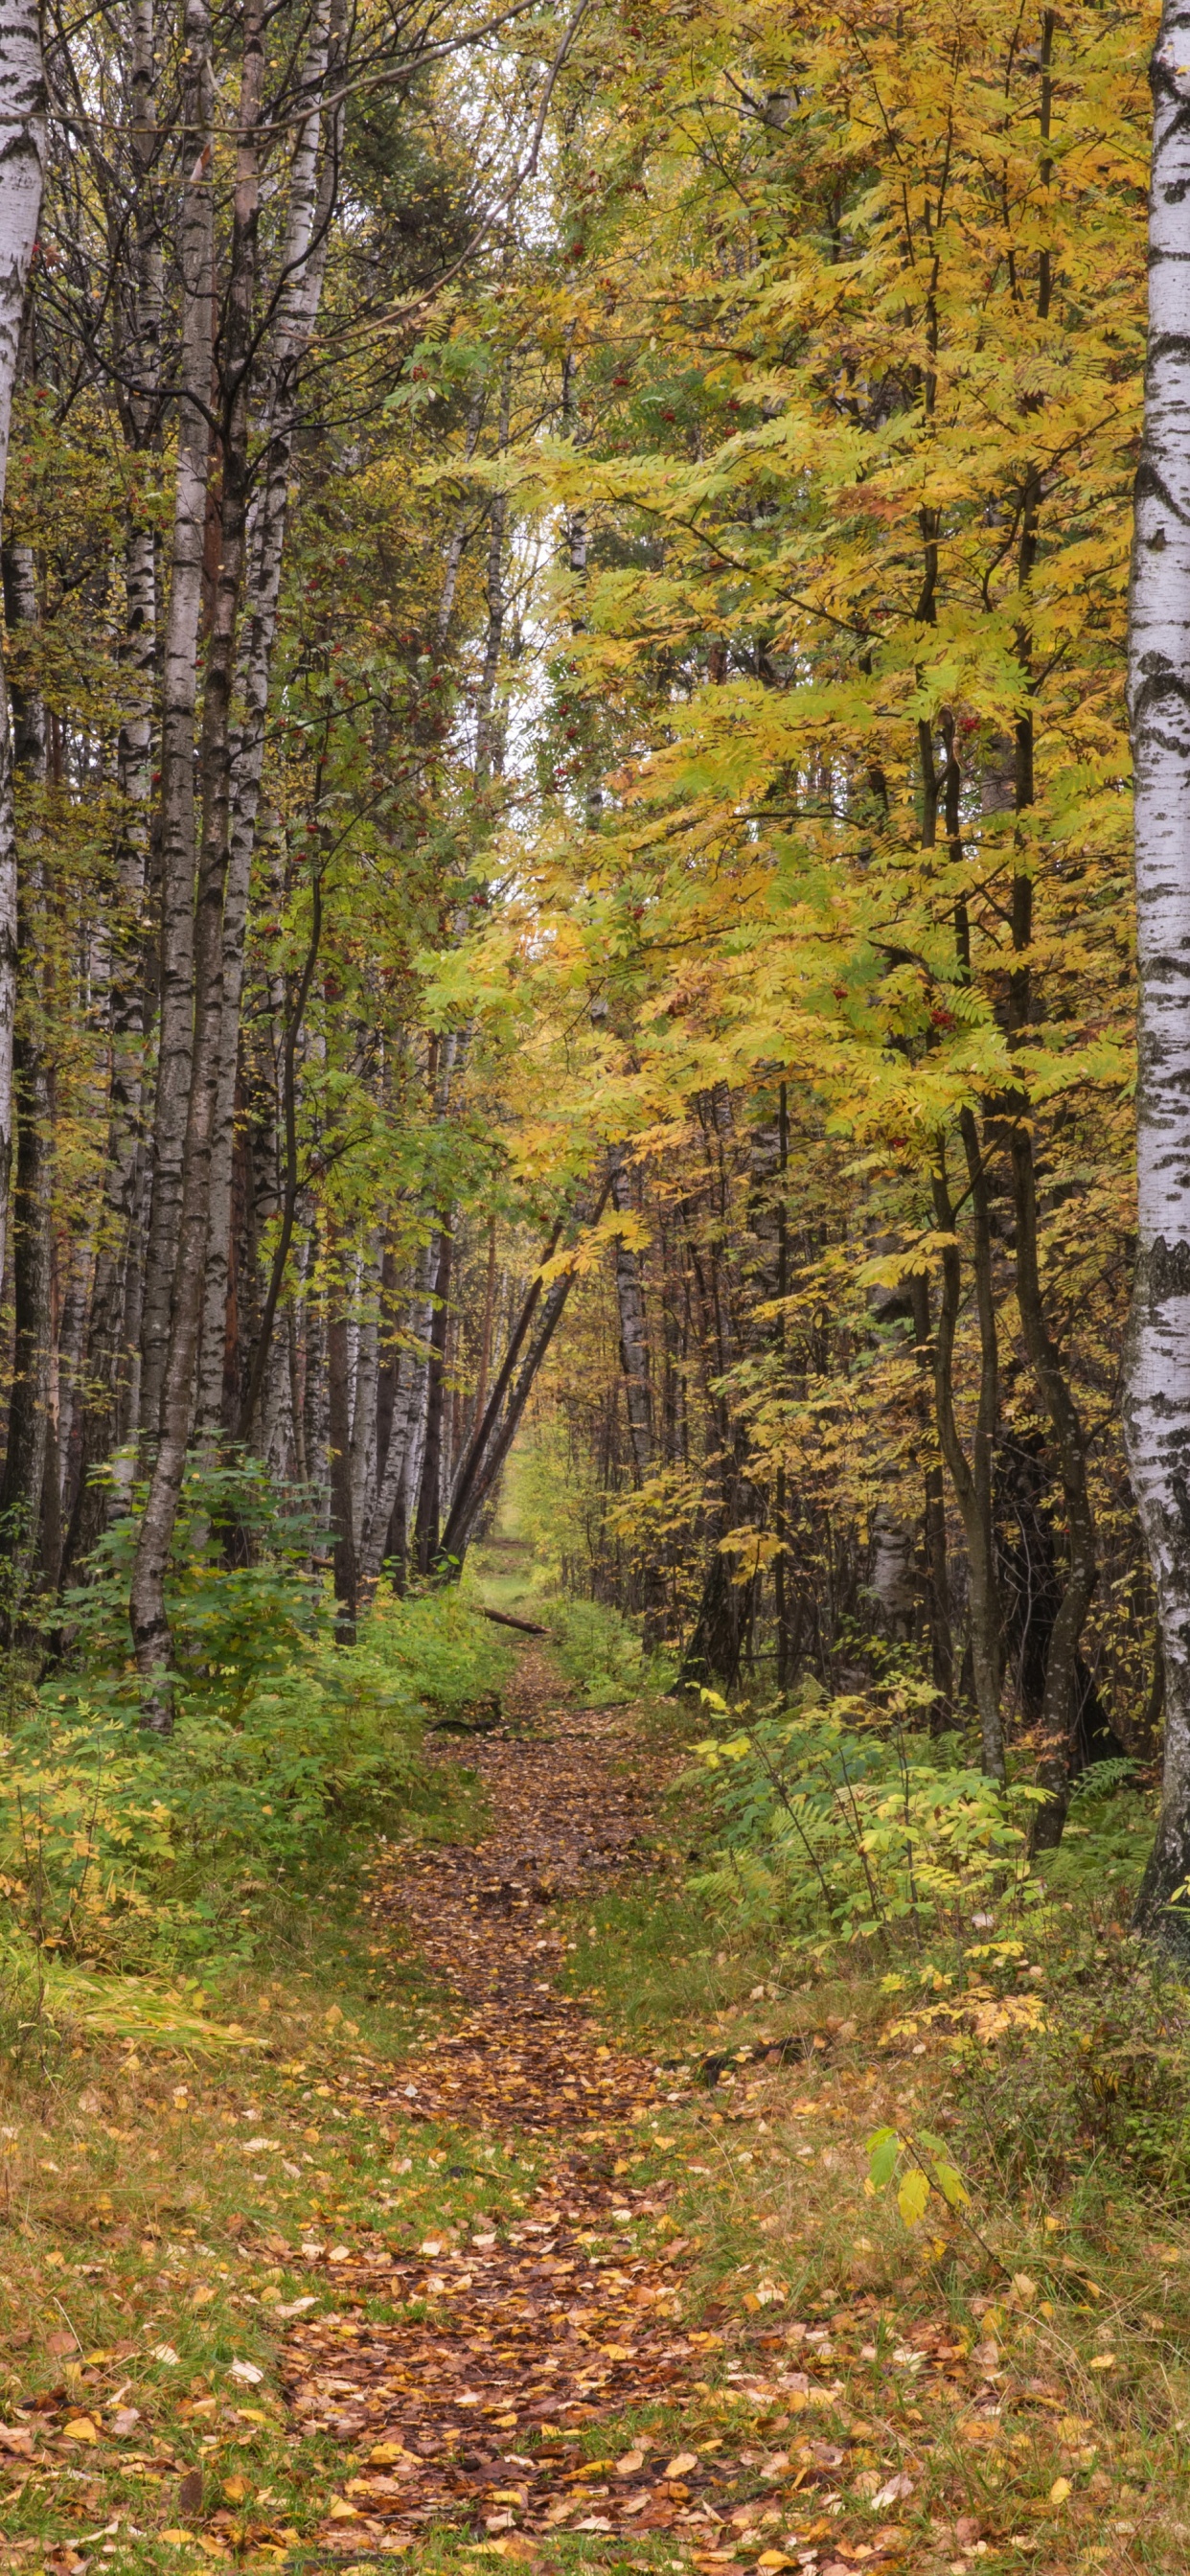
(408, 1423)
(1157, 1386)
(303, 265)
(179, 707)
(22, 166)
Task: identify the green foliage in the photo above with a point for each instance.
(842, 1823)
(921, 2169)
(119, 1850)
(242, 1599)
(602, 1652)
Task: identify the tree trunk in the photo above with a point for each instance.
(176, 1030)
(1063, 1695)
(147, 1609)
(536, 1325)
(972, 1479)
(339, 1398)
(22, 165)
(28, 1413)
(1157, 1356)
(428, 1522)
(303, 266)
(934, 1528)
(634, 1333)
(367, 1375)
(114, 1323)
(393, 1477)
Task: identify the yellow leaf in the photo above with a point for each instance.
(913, 2192)
(341, 2512)
(1103, 2361)
(1059, 2490)
(80, 2429)
(681, 2464)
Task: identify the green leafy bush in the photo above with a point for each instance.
(603, 1654)
(241, 1594)
(124, 1850)
(841, 1821)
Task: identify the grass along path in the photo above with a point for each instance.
(448, 2264)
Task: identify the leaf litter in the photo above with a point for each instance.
(471, 2402)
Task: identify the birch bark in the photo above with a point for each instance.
(179, 709)
(111, 1411)
(147, 1611)
(1157, 1355)
(408, 1407)
(303, 265)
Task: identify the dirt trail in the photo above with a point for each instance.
(549, 2316)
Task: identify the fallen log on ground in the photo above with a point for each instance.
(504, 1619)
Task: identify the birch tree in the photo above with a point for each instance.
(1157, 1393)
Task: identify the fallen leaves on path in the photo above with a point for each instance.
(560, 2315)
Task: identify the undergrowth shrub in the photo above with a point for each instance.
(603, 1653)
(843, 1820)
(119, 1850)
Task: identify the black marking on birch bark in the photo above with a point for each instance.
(1166, 1272)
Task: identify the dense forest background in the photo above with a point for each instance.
(564, 600)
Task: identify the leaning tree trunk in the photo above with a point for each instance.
(1157, 1378)
(22, 165)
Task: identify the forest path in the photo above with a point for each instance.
(556, 2313)
(481, 2277)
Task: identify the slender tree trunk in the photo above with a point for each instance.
(290, 1178)
(1157, 1379)
(176, 1025)
(634, 1330)
(303, 266)
(147, 1610)
(394, 1478)
(1060, 1706)
(480, 1468)
(28, 1414)
(934, 1528)
(339, 1399)
(972, 1479)
(367, 1376)
(110, 1409)
(426, 1527)
(22, 166)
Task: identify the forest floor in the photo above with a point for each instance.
(493, 2235)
